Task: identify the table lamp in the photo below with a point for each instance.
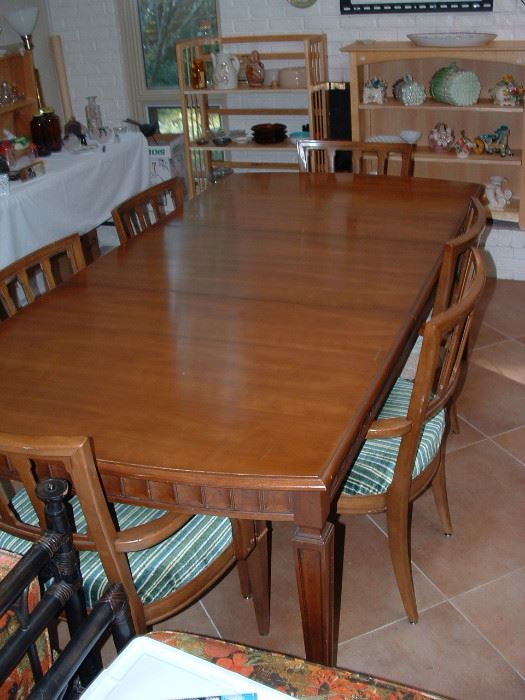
(23, 22)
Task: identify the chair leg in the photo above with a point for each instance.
(398, 523)
(453, 417)
(244, 578)
(251, 550)
(439, 489)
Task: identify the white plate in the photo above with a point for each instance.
(452, 39)
(384, 138)
(153, 670)
(241, 139)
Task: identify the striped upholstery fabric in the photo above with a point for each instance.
(373, 469)
(156, 571)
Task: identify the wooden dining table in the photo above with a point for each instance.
(232, 362)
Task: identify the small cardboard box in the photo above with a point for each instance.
(166, 157)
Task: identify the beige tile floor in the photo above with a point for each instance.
(470, 640)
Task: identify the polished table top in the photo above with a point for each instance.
(242, 352)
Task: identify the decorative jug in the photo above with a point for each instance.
(225, 70)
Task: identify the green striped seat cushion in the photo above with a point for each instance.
(373, 469)
(156, 571)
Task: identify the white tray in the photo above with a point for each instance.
(385, 138)
(451, 39)
(150, 670)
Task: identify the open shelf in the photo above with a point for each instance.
(390, 61)
(244, 106)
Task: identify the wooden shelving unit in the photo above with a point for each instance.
(392, 60)
(17, 69)
(253, 105)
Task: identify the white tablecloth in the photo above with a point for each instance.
(77, 193)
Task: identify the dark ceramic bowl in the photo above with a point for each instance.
(269, 133)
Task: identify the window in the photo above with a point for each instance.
(162, 23)
(150, 30)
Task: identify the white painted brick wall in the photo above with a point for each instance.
(91, 43)
(505, 252)
(92, 54)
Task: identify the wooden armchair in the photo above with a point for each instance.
(404, 452)
(318, 156)
(156, 205)
(165, 560)
(455, 267)
(33, 275)
(26, 657)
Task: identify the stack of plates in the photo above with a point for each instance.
(269, 133)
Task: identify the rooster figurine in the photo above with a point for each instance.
(146, 129)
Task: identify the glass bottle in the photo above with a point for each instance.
(93, 115)
(198, 74)
(40, 134)
(4, 92)
(55, 130)
(205, 30)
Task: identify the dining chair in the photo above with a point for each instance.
(34, 590)
(39, 272)
(164, 559)
(455, 267)
(156, 205)
(404, 451)
(318, 156)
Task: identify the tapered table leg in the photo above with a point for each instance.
(314, 568)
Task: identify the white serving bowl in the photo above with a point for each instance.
(410, 135)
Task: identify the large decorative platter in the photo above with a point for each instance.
(452, 39)
(302, 3)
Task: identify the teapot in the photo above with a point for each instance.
(225, 70)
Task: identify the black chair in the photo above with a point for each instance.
(54, 560)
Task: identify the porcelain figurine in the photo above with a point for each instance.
(255, 70)
(408, 92)
(463, 146)
(497, 192)
(495, 142)
(507, 93)
(374, 91)
(441, 137)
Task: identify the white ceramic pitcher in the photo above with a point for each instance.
(225, 70)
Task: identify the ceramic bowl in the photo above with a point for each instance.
(410, 135)
(293, 77)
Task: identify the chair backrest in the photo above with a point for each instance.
(26, 279)
(317, 155)
(31, 459)
(438, 373)
(54, 561)
(156, 205)
(456, 262)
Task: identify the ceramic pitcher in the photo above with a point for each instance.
(225, 70)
